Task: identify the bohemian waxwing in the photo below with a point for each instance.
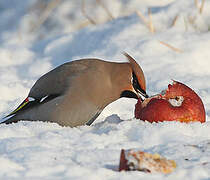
(76, 92)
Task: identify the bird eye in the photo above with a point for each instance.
(137, 86)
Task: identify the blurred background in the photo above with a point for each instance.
(41, 19)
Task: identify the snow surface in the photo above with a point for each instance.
(37, 150)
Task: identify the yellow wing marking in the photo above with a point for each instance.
(23, 104)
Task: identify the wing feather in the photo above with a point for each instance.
(57, 81)
(51, 85)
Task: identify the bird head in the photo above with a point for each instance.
(137, 84)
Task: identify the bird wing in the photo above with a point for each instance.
(28, 102)
(51, 85)
(53, 82)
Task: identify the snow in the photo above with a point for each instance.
(28, 49)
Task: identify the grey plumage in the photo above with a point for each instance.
(76, 92)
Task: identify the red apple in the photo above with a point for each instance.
(177, 103)
(137, 160)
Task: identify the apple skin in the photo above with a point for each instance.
(123, 161)
(159, 109)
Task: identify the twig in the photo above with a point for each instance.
(85, 14)
(191, 19)
(171, 47)
(151, 27)
(142, 17)
(82, 25)
(46, 13)
(148, 23)
(174, 21)
(185, 24)
(202, 6)
(196, 4)
(105, 8)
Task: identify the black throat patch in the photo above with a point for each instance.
(129, 94)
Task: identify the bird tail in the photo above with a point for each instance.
(20, 107)
(9, 120)
(14, 116)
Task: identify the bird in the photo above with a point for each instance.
(75, 93)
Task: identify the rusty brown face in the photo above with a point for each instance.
(138, 79)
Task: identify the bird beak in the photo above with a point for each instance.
(141, 94)
(132, 92)
(138, 81)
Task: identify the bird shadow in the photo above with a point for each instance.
(112, 167)
(107, 125)
(112, 119)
